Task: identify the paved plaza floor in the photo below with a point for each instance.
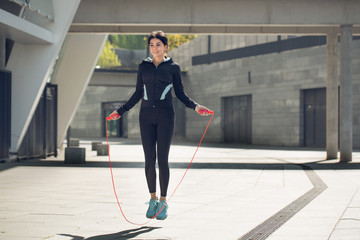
(230, 192)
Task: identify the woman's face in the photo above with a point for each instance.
(157, 48)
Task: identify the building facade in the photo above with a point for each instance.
(264, 90)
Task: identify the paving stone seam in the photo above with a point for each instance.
(265, 229)
(343, 213)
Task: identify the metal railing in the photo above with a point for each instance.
(40, 139)
(5, 113)
(35, 8)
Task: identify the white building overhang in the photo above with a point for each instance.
(23, 31)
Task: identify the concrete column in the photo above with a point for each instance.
(2, 52)
(346, 102)
(72, 74)
(331, 96)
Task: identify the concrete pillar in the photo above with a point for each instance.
(331, 96)
(346, 127)
(72, 74)
(2, 52)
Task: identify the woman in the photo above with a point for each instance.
(155, 79)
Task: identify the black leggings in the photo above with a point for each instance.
(156, 128)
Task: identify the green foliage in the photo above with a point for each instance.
(178, 40)
(108, 58)
(134, 42)
(131, 42)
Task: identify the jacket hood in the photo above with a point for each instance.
(149, 59)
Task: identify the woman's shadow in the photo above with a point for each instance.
(127, 234)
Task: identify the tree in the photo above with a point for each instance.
(177, 40)
(131, 42)
(134, 42)
(108, 58)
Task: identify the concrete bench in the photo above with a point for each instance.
(75, 155)
(74, 142)
(94, 145)
(102, 150)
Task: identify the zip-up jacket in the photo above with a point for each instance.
(154, 86)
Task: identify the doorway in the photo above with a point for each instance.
(115, 128)
(314, 109)
(238, 119)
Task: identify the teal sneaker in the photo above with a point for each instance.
(152, 210)
(163, 214)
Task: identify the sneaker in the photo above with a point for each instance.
(152, 210)
(163, 214)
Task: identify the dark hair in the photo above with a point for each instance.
(159, 35)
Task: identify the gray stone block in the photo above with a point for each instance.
(94, 145)
(75, 155)
(102, 150)
(74, 142)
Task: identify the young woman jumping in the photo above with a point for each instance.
(155, 79)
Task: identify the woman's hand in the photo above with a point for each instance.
(203, 111)
(114, 115)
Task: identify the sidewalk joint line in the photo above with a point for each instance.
(265, 229)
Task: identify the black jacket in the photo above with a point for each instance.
(154, 85)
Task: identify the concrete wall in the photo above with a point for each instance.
(199, 46)
(88, 120)
(276, 84)
(356, 93)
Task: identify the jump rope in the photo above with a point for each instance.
(112, 176)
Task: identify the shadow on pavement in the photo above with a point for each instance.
(315, 165)
(126, 234)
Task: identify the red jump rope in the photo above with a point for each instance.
(201, 111)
